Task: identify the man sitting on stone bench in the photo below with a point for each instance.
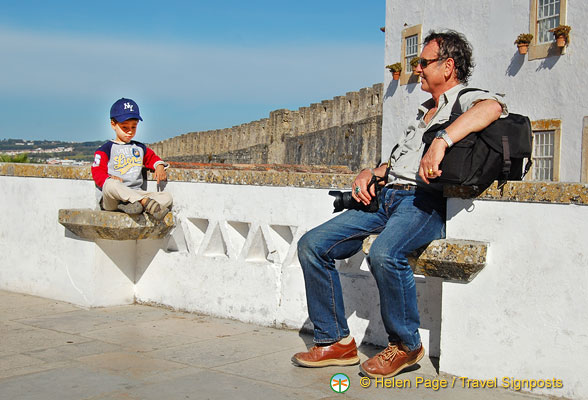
(118, 167)
(411, 214)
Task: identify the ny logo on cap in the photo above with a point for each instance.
(128, 106)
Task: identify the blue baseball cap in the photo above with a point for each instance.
(124, 109)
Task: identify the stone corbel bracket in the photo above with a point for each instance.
(95, 224)
(450, 259)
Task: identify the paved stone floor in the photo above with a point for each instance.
(54, 350)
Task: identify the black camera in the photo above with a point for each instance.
(344, 200)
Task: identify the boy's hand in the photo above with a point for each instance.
(160, 174)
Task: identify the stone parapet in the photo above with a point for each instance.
(236, 174)
(526, 192)
(45, 171)
(316, 177)
(265, 175)
(287, 131)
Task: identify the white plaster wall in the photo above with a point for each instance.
(524, 315)
(255, 276)
(39, 258)
(541, 89)
(233, 254)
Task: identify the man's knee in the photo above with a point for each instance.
(383, 257)
(306, 244)
(310, 246)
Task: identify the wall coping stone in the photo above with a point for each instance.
(526, 192)
(326, 177)
(111, 225)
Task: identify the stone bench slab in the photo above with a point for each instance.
(96, 224)
(450, 259)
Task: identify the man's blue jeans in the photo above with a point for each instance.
(405, 221)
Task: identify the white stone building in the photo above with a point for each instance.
(547, 84)
(497, 326)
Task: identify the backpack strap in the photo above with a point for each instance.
(456, 110)
(506, 163)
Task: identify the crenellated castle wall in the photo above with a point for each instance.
(343, 131)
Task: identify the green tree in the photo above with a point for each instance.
(18, 158)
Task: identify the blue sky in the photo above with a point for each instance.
(190, 65)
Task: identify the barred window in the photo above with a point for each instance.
(543, 155)
(545, 15)
(412, 50)
(547, 18)
(411, 42)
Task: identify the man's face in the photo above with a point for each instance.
(432, 76)
(126, 130)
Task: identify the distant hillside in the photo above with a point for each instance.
(41, 150)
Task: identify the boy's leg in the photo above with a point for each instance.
(114, 192)
(163, 198)
(156, 203)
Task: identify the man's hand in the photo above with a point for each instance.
(160, 174)
(429, 167)
(362, 180)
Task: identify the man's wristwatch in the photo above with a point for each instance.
(442, 134)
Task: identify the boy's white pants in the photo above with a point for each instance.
(114, 192)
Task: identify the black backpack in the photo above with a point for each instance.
(495, 153)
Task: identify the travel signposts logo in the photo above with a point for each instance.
(339, 383)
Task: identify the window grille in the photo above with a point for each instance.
(543, 155)
(548, 12)
(412, 48)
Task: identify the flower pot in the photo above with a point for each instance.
(560, 41)
(395, 75)
(523, 48)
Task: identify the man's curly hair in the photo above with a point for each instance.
(454, 45)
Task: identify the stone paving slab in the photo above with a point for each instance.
(52, 350)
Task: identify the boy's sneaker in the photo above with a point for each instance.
(155, 209)
(391, 361)
(131, 208)
(323, 356)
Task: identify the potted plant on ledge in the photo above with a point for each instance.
(395, 68)
(523, 41)
(562, 34)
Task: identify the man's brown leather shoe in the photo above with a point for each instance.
(391, 361)
(323, 356)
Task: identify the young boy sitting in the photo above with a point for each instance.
(118, 165)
